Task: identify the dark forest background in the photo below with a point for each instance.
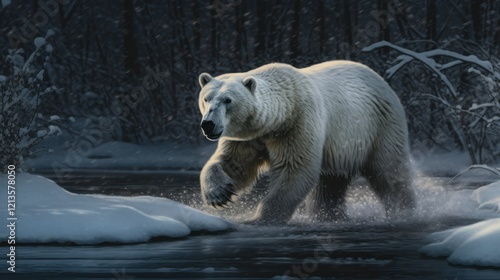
(129, 68)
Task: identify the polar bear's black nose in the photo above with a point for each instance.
(208, 127)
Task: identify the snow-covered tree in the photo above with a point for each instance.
(21, 90)
(471, 110)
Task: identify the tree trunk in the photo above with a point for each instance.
(496, 26)
(477, 25)
(348, 27)
(238, 42)
(213, 40)
(195, 7)
(131, 53)
(187, 54)
(355, 18)
(322, 27)
(294, 42)
(431, 19)
(385, 33)
(402, 22)
(261, 28)
(430, 25)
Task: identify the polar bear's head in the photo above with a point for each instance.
(228, 104)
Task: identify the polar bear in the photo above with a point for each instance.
(313, 130)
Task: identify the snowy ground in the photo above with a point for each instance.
(47, 213)
(475, 244)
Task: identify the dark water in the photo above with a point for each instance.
(367, 246)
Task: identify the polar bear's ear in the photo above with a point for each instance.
(250, 83)
(204, 79)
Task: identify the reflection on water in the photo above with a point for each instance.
(367, 246)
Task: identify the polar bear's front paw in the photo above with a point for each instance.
(220, 195)
(216, 186)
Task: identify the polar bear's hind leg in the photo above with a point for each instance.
(326, 200)
(389, 175)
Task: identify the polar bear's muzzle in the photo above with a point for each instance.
(209, 130)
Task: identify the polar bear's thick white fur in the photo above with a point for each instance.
(314, 129)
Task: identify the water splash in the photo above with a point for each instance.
(435, 202)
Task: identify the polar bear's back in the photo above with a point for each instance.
(349, 81)
(361, 109)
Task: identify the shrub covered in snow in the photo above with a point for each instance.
(456, 102)
(20, 96)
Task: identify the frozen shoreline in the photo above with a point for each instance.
(116, 161)
(47, 213)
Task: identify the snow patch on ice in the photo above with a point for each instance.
(48, 213)
(488, 197)
(474, 244)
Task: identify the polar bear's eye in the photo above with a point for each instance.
(227, 101)
(205, 100)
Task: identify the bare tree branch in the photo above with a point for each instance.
(495, 171)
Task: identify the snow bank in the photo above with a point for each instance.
(488, 197)
(47, 213)
(476, 244)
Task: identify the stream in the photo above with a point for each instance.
(366, 246)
